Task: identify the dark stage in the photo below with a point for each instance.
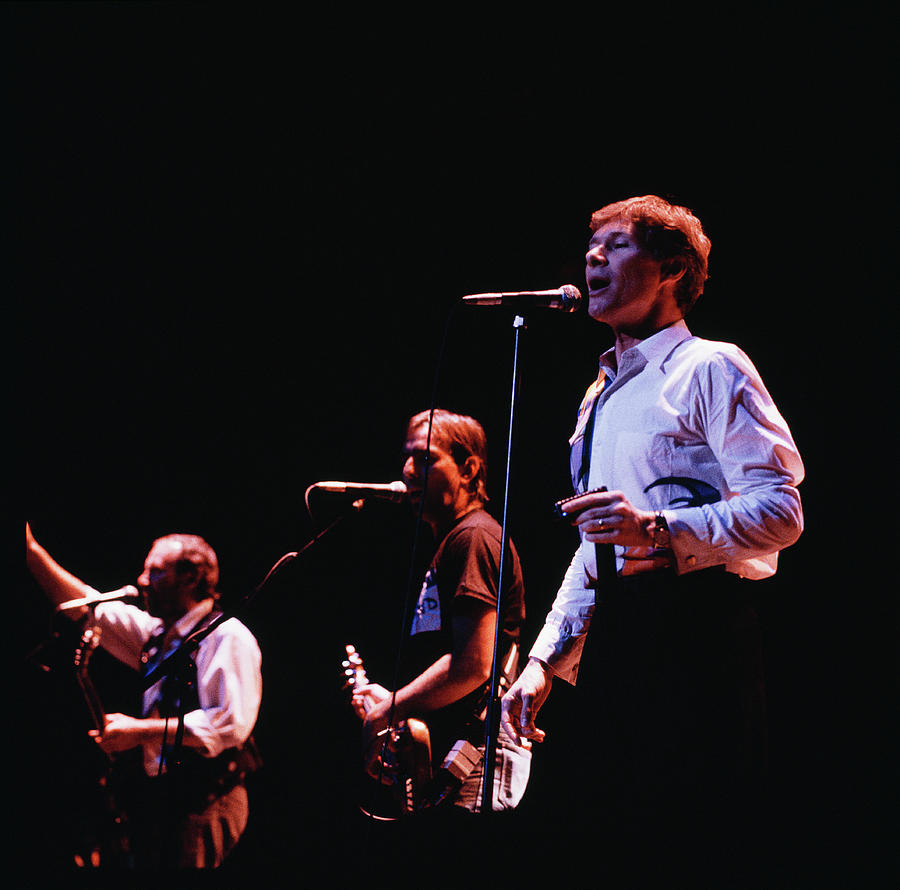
(239, 246)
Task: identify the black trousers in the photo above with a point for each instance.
(671, 689)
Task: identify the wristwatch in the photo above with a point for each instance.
(659, 532)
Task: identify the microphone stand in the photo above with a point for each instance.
(492, 715)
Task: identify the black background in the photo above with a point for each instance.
(239, 237)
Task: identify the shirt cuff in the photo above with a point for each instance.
(559, 646)
(687, 530)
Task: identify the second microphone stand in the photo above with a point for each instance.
(492, 715)
(178, 664)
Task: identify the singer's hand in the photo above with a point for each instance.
(520, 705)
(608, 517)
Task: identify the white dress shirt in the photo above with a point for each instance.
(229, 678)
(695, 413)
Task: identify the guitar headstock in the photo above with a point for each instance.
(354, 672)
(90, 640)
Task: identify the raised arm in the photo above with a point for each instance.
(58, 584)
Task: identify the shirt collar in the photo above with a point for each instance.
(653, 350)
(185, 624)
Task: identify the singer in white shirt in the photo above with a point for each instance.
(178, 582)
(699, 473)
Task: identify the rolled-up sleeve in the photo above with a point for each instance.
(229, 682)
(561, 640)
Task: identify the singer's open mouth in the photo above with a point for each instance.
(598, 283)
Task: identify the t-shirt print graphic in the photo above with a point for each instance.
(428, 607)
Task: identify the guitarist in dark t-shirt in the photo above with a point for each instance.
(449, 655)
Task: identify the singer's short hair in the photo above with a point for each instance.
(462, 436)
(671, 233)
(196, 556)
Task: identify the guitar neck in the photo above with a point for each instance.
(92, 699)
(90, 640)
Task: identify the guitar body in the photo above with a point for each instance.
(403, 753)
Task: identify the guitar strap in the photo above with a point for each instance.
(170, 701)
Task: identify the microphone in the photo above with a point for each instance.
(129, 591)
(391, 491)
(567, 298)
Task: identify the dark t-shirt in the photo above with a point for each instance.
(466, 564)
